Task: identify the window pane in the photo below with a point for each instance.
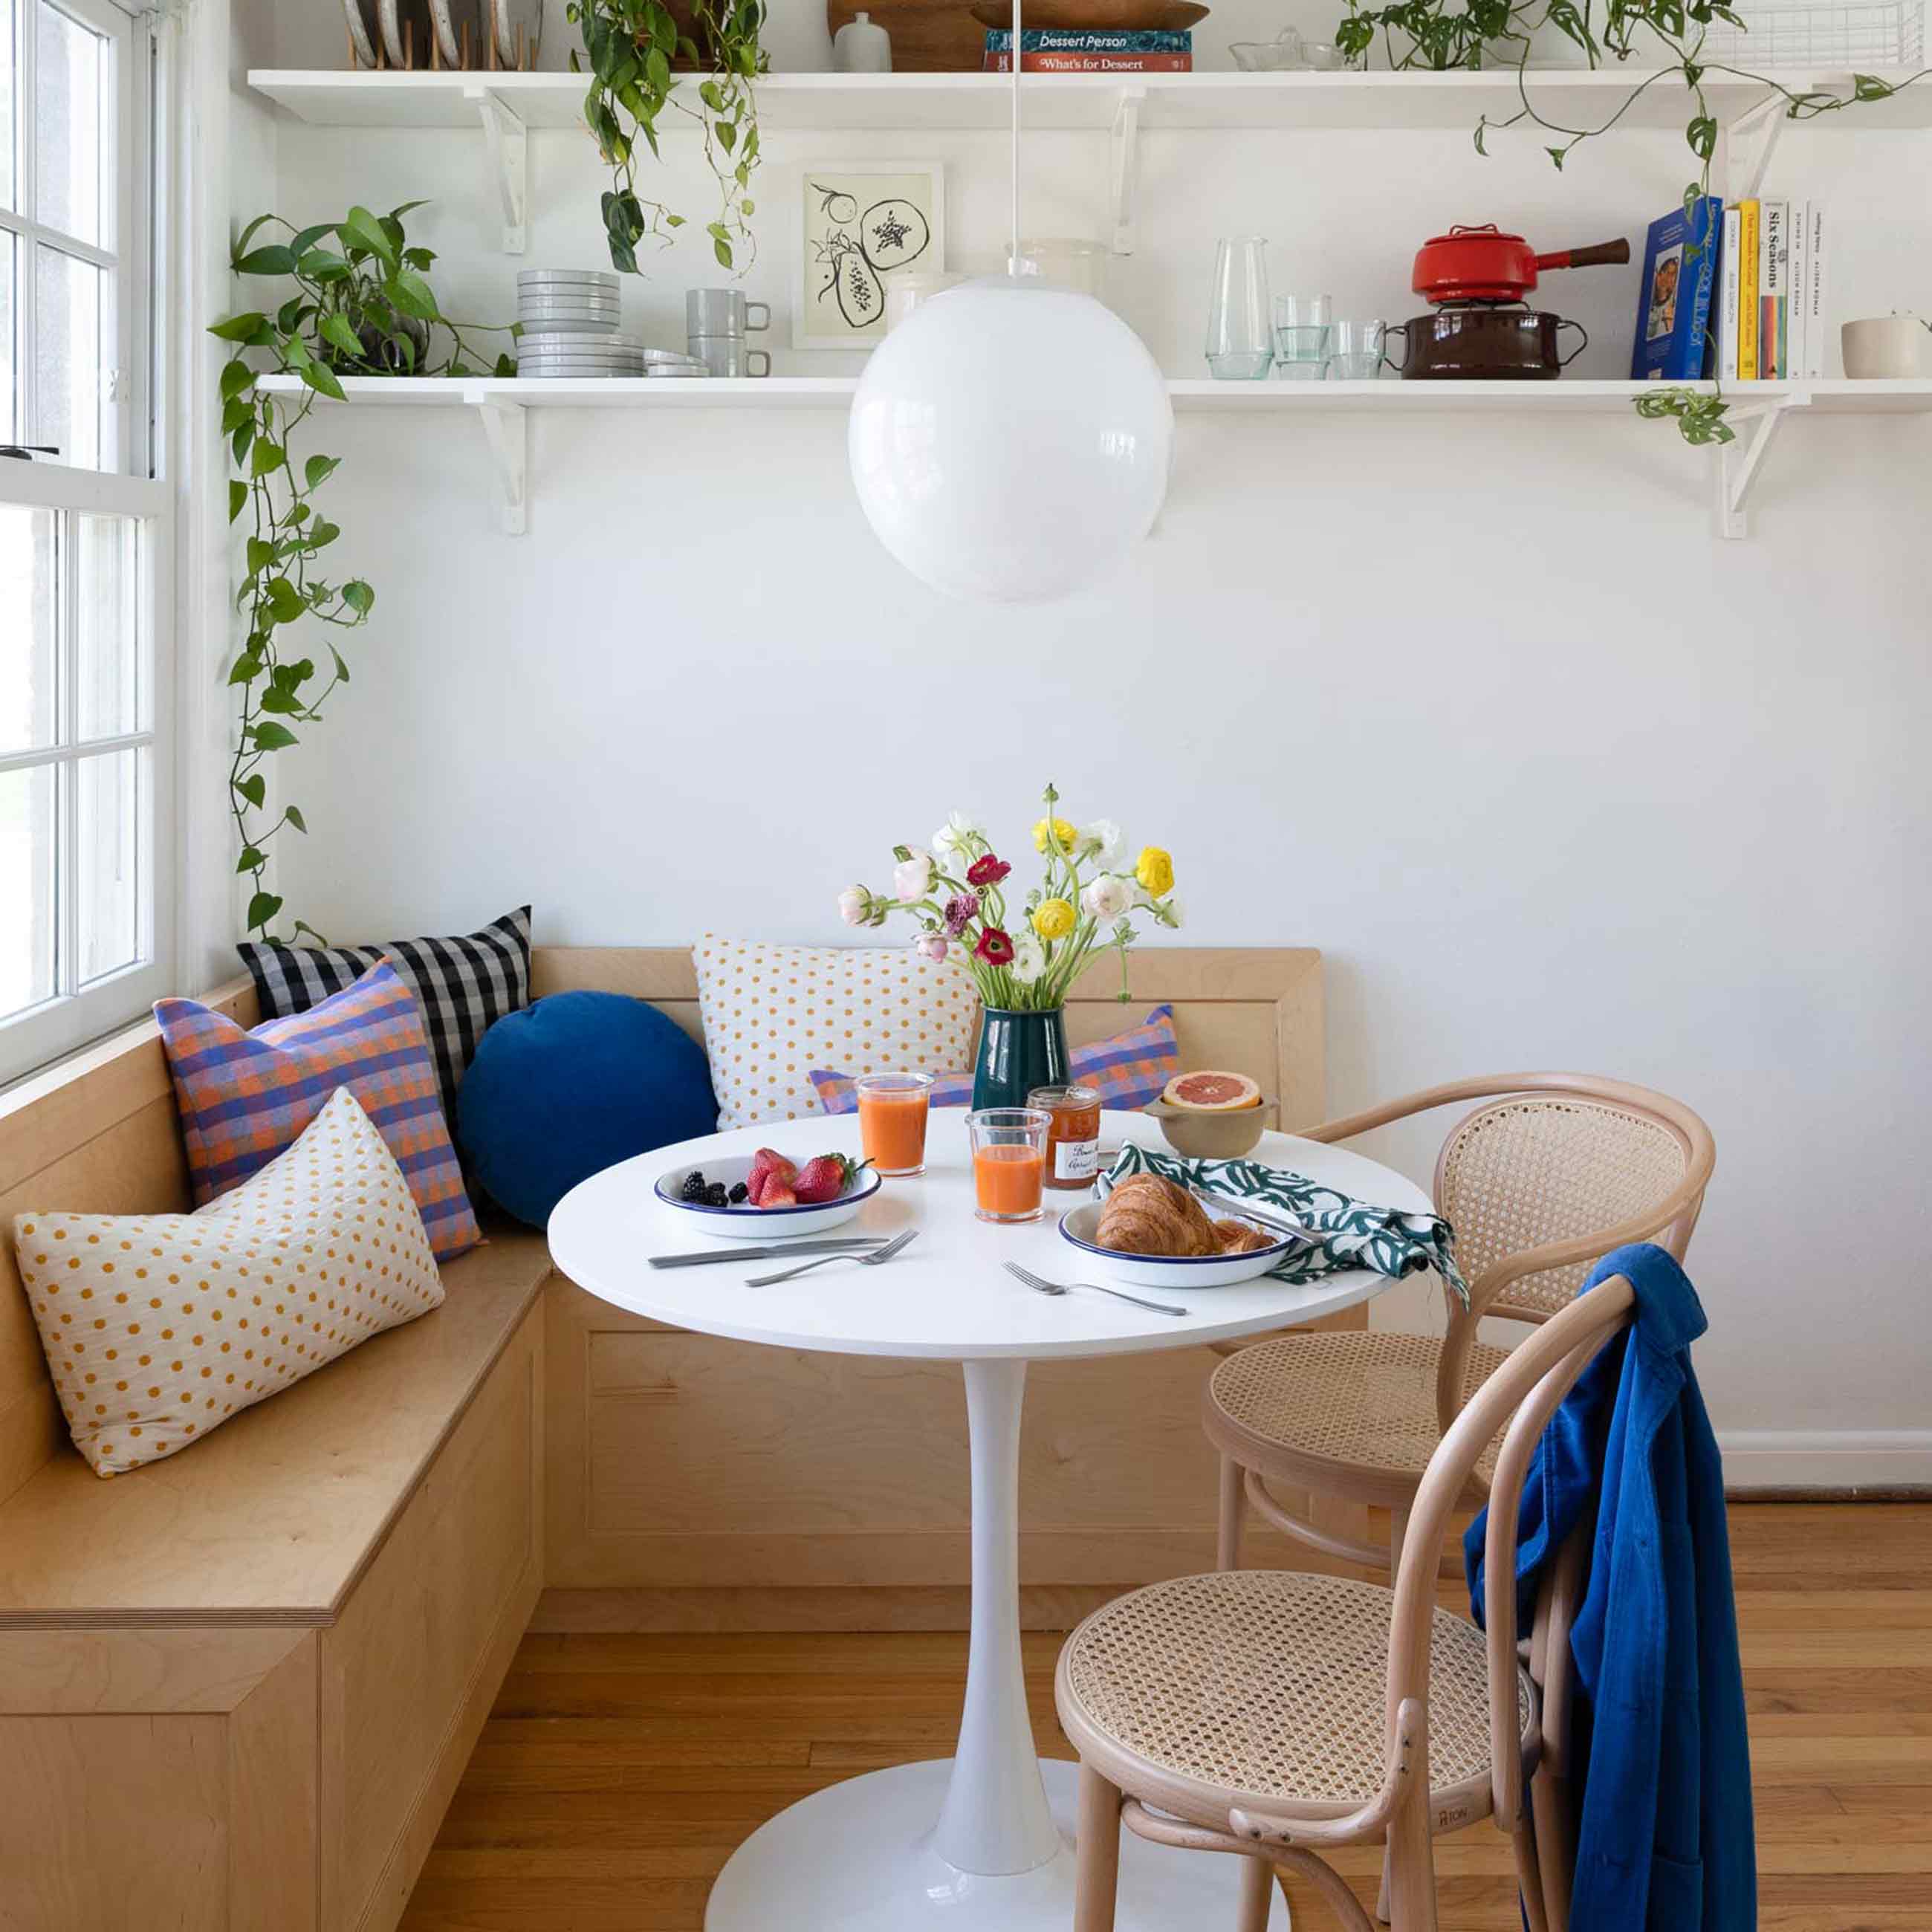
(69, 125)
(28, 578)
(109, 849)
(9, 70)
(10, 381)
(67, 334)
(107, 629)
(26, 889)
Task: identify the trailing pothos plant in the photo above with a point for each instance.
(1437, 34)
(632, 47)
(361, 306)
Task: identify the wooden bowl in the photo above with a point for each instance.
(1212, 1136)
(1097, 16)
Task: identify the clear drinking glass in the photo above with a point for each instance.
(1238, 349)
(1009, 1161)
(893, 1111)
(1303, 332)
(1357, 354)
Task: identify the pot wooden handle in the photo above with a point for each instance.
(1602, 256)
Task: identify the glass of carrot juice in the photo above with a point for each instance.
(892, 1108)
(1009, 1161)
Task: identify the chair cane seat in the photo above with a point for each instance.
(1349, 1397)
(1270, 1686)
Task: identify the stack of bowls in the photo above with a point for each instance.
(570, 318)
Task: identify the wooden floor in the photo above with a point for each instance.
(617, 1773)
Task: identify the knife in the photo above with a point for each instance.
(748, 1253)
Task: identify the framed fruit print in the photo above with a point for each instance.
(862, 223)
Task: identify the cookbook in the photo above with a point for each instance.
(1680, 265)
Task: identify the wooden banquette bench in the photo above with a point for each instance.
(237, 1687)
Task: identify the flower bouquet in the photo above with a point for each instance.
(1023, 954)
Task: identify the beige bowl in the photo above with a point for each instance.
(1212, 1136)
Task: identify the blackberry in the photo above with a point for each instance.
(694, 1188)
(740, 1192)
(714, 1196)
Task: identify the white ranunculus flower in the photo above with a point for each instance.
(855, 904)
(952, 843)
(1106, 897)
(912, 878)
(1101, 841)
(1171, 907)
(1029, 960)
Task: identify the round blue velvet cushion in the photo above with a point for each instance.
(572, 1084)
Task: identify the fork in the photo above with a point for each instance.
(878, 1254)
(1041, 1286)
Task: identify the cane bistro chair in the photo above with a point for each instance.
(1275, 1715)
(1552, 1173)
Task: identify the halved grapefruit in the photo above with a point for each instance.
(1211, 1093)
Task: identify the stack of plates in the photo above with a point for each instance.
(551, 301)
(663, 362)
(579, 352)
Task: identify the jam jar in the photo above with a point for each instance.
(1073, 1137)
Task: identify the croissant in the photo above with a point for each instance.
(1145, 1215)
(1237, 1238)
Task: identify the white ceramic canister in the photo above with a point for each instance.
(906, 289)
(1884, 346)
(1070, 260)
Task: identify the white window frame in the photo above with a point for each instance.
(133, 487)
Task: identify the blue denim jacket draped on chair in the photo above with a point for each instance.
(1661, 1761)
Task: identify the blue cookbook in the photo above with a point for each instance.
(1673, 304)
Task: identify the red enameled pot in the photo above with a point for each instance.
(1485, 264)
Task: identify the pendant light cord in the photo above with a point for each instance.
(1013, 259)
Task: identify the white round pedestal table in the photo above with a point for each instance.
(982, 1841)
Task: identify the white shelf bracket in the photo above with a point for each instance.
(1123, 149)
(509, 161)
(1737, 463)
(506, 428)
(1744, 149)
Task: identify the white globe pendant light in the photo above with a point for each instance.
(1011, 440)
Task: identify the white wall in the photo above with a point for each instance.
(1483, 710)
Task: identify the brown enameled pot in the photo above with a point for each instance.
(1484, 344)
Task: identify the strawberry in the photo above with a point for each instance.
(826, 1178)
(777, 1193)
(768, 1160)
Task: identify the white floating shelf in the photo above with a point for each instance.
(1834, 396)
(1578, 97)
(1758, 410)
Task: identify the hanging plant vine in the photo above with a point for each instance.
(362, 306)
(1431, 35)
(632, 47)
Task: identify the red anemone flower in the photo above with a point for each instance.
(995, 947)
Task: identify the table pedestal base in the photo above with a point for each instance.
(858, 1857)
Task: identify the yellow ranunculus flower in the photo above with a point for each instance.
(1064, 834)
(1155, 872)
(1054, 919)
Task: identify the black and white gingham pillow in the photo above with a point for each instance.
(464, 986)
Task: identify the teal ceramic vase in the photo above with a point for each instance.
(1018, 1052)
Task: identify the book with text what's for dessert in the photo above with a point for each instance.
(1673, 312)
(1090, 63)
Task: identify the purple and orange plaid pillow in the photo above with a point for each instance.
(1130, 1070)
(245, 1097)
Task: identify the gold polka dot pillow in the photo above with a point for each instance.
(157, 1328)
(772, 1013)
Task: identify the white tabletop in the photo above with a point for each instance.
(946, 1297)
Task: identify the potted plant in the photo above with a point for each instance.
(1024, 958)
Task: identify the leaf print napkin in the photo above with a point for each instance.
(1354, 1235)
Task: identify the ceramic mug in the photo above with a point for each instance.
(1885, 346)
(727, 356)
(723, 312)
